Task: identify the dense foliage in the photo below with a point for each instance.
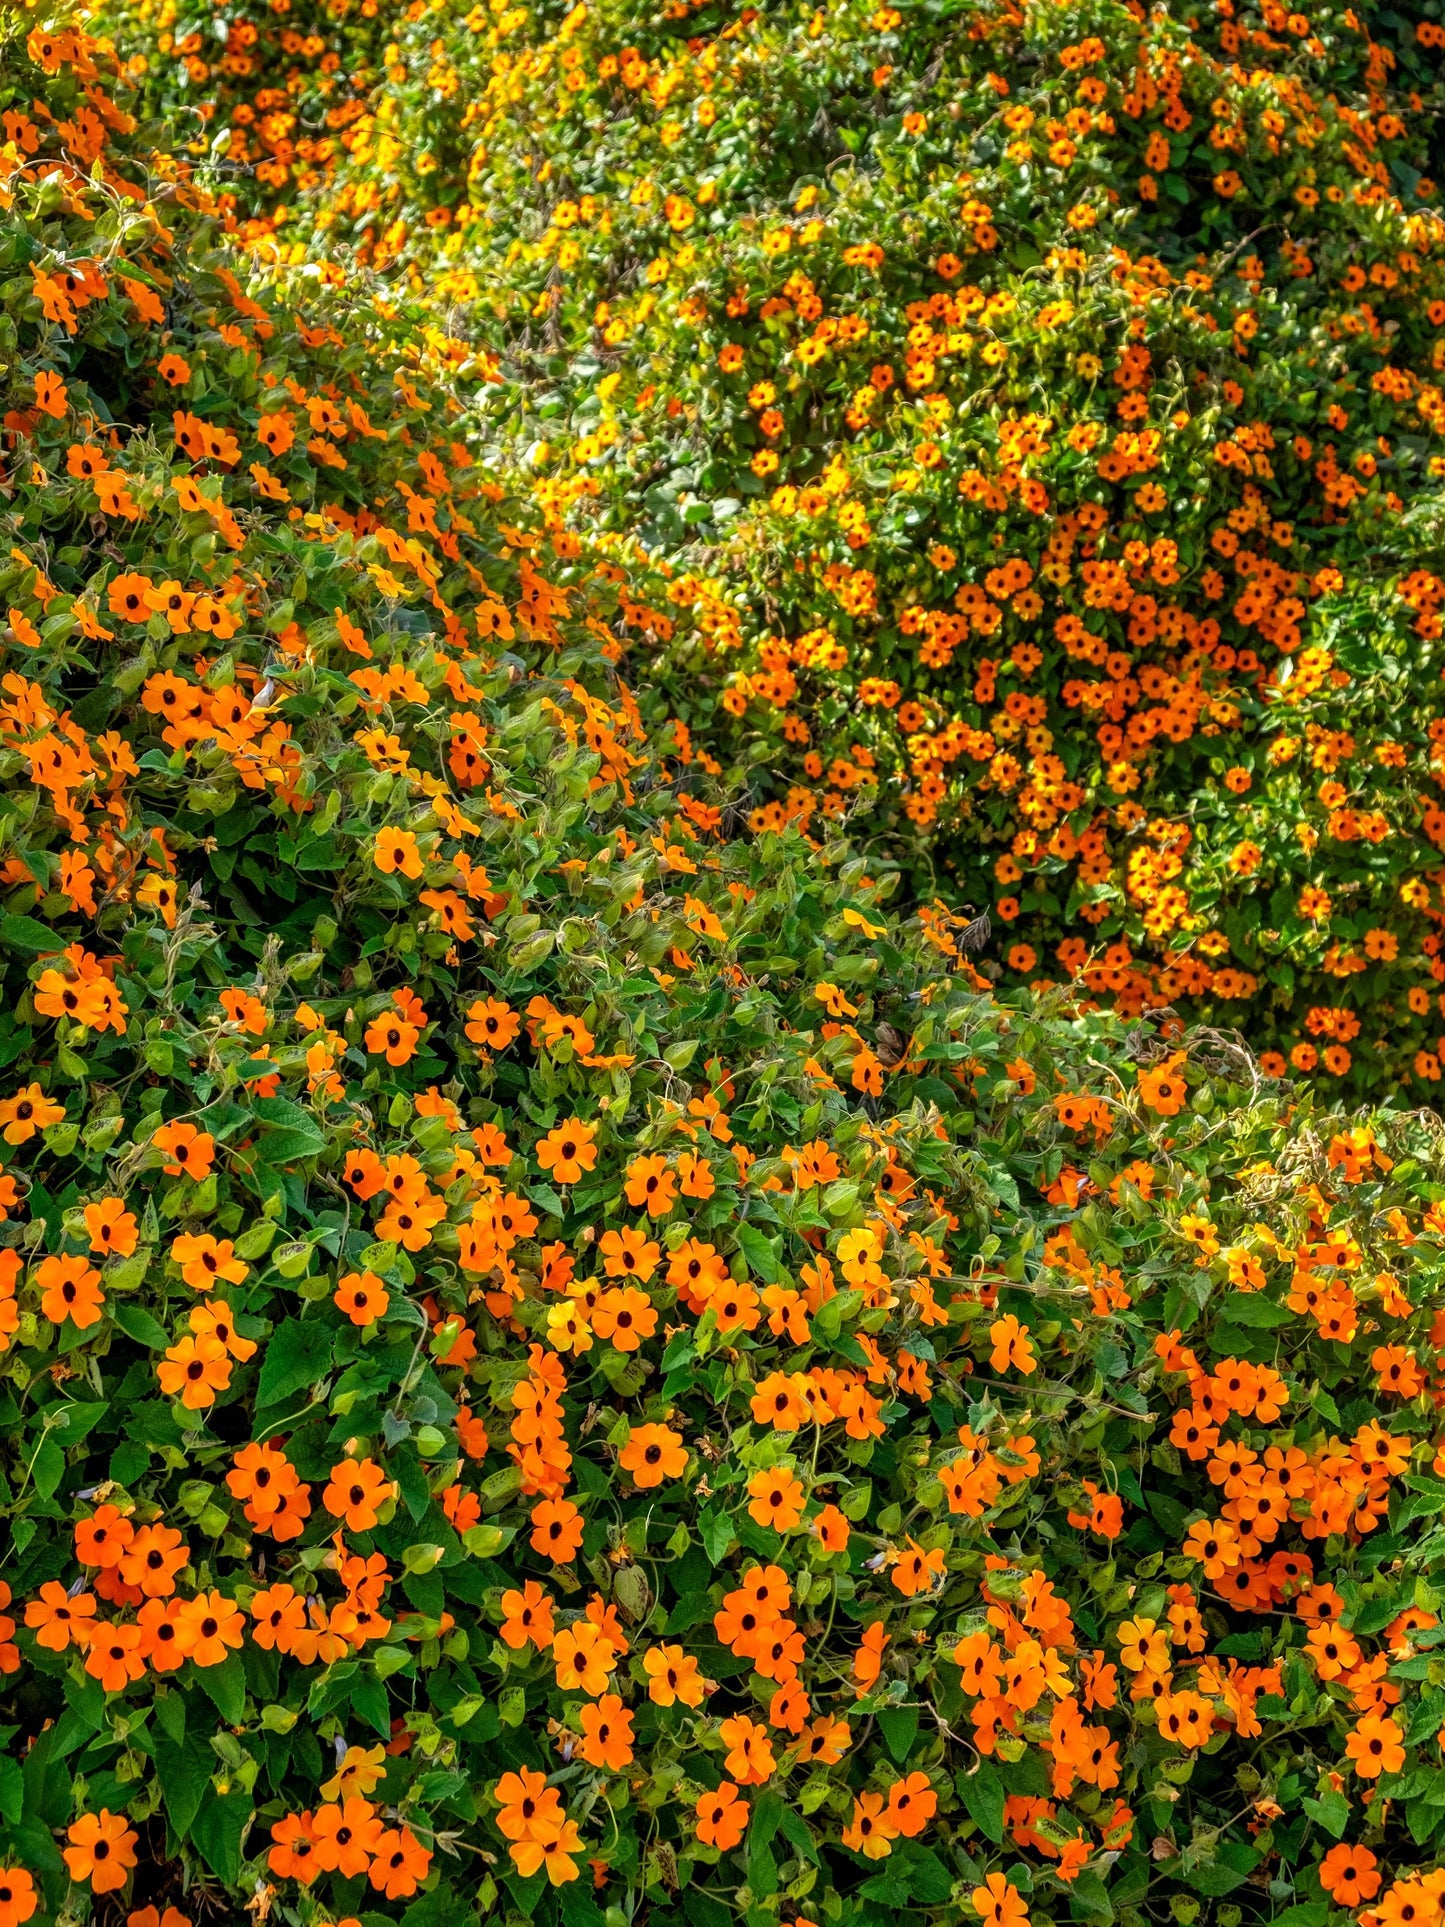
(563, 1355)
(1040, 404)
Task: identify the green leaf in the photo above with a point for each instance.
(1310, 1913)
(226, 1685)
(12, 1789)
(1424, 1498)
(49, 1467)
(912, 1872)
(217, 1830)
(371, 1703)
(439, 1907)
(24, 933)
(184, 1772)
(1331, 1811)
(289, 1147)
(298, 1354)
(256, 1240)
(282, 1112)
(1253, 1308)
(1372, 1615)
(889, 1888)
(289, 1131)
(1232, 1863)
(72, 1423)
(332, 1689)
(759, 1252)
(171, 1716)
(223, 1119)
(526, 1892)
(799, 1836)
(1089, 1899)
(575, 1905)
(140, 1326)
(900, 1729)
(762, 1863)
(982, 1792)
(717, 1533)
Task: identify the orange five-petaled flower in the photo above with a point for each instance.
(101, 1850)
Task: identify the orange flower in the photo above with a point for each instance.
(999, 1903)
(556, 1530)
(206, 1261)
(280, 1615)
(568, 1150)
(246, 1011)
(491, 1024)
(70, 1288)
(57, 1619)
(1106, 1515)
(1350, 1875)
(396, 852)
(527, 1615)
(51, 396)
(26, 1113)
(356, 1493)
(346, 1837)
(529, 1808)
(912, 1803)
(1333, 1651)
(1163, 1089)
(672, 1675)
(915, 1570)
(264, 1479)
(409, 1221)
(194, 1370)
(1376, 1746)
(362, 1297)
(782, 1401)
(624, 1317)
(102, 1539)
(1214, 1545)
(159, 893)
(652, 1453)
(101, 1850)
(365, 1173)
(492, 1146)
(189, 1151)
(1185, 1718)
(18, 1899)
(400, 1865)
(722, 1817)
(606, 1734)
(831, 1529)
(392, 1037)
(111, 1228)
(777, 1499)
(153, 1558)
(584, 1658)
(113, 1657)
(873, 1829)
(628, 1254)
(209, 1626)
(1011, 1348)
(293, 1854)
(552, 1854)
(750, 1752)
(825, 1741)
(696, 1176)
(651, 1183)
